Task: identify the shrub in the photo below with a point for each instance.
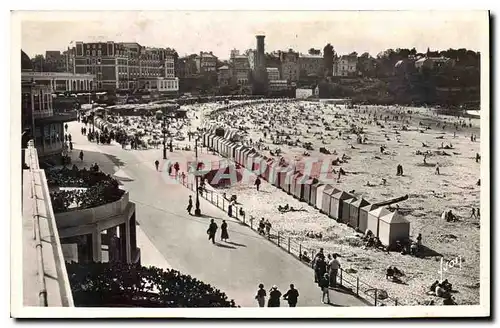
(132, 285)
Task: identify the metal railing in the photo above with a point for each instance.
(347, 281)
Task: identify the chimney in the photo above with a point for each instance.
(260, 44)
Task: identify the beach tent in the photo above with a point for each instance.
(327, 196)
(238, 153)
(346, 209)
(216, 143)
(258, 164)
(314, 189)
(374, 218)
(232, 148)
(284, 176)
(211, 141)
(319, 196)
(274, 170)
(233, 155)
(205, 139)
(297, 186)
(222, 147)
(265, 171)
(244, 157)
(252, 162)
(392, 227)
(363, 216)
(307, 190)
(354, 208)
(337, 204)
(226, 146)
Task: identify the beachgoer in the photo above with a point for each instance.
(274, 297)
(224, 236)
(323, 284)
(291, 296)
(257, 183)
(212, 229)
(81, 155)
(334, 266)
(190, 204)
(261, 296)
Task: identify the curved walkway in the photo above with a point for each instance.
(236, 267)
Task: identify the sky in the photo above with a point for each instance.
(219, 32)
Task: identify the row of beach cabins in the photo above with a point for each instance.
(339, 205)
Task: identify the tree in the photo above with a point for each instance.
(132, 285)
(313, 51)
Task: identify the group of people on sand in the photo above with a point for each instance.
(442, 289)
(264, 227)
(291, 296)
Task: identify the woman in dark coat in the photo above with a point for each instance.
(224, 236)
(274, 297)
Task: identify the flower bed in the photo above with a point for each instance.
(101, 189)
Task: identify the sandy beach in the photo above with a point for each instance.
(413, 130)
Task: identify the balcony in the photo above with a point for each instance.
(44, 277)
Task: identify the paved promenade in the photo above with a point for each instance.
(175, 239)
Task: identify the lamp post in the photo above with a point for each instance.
(164, 136)
(33, 84)
(197, 210)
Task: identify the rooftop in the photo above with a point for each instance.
(311, 56)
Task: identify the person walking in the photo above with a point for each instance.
(177, 168)
(70, 146)
(81, 155)
(323, 284)
(157, 164)
(334, 268)
(212, 229)
(291, 296)
(257, 183)
(190, 204)
(437, 168)
(170, 170)
(319, 268)
(268, 227)
(261, 296)
(274, 297)
(224, 236)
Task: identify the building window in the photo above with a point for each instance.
(87, 52)
(99, 52)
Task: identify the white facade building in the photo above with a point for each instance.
(273, 73)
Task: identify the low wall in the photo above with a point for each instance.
(88, 216)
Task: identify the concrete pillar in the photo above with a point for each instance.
(113, 245)
(85, 249)
(97, 246)
(133, 233)
(128, 249)
(123, 247)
